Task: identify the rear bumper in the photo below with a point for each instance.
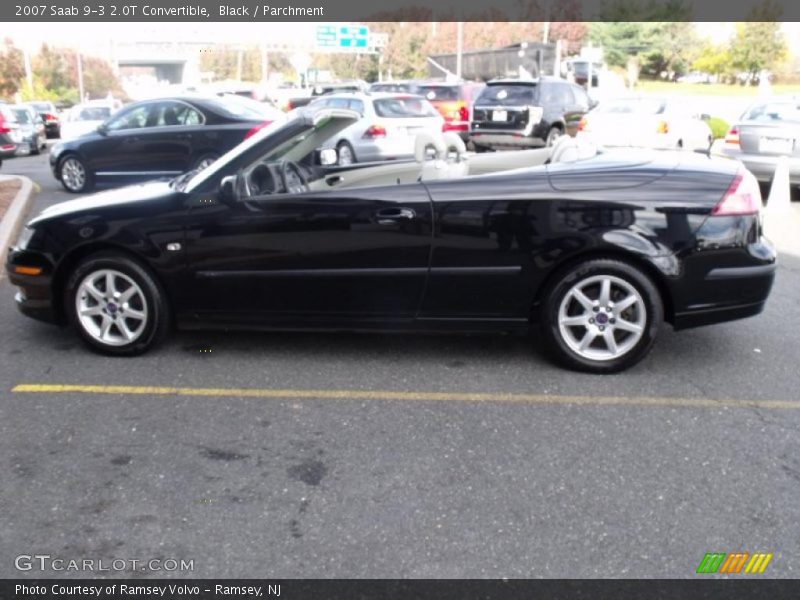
(728, 293)
(762, 166)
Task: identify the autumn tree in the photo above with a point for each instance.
(12, 69)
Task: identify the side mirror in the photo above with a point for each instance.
(102, 129)
(328, 156)
(227, 189)
(705, 117)
(593, 103)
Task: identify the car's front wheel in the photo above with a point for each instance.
(116, 305)
(601, 316)
(74, 175)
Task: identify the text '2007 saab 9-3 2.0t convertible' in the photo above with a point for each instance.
(590, 249)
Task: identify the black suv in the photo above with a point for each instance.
(525, 113)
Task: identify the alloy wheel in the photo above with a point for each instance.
(111, 307)
(73, 174)
(602, 318)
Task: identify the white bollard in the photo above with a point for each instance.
(780, 192)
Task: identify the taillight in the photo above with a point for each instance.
(50, 117)
(732, 137)
(743, 197)
(583, 125)
(256, 129)
(662, 127)
(463, 112)
(4, 128)
(375, 131)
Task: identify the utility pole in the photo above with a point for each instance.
(80, 77)
(459, 47)
(28, 71)
(239, 58)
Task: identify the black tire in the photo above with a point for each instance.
(344, 145)
(35, 147)
(155, 325)
(552, 135)
(481, 149)
(205, 159)
(74, 187)
(557, 344)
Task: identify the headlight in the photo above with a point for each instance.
(25, 237)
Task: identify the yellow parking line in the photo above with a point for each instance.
(49, 388)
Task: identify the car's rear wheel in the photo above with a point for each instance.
(34, 146)
(346, 154)
(601, 316)
(116, 305)
(74, 175)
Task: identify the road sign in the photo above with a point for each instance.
(344, 38)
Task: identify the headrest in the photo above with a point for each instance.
(454, 143)
(424, 141)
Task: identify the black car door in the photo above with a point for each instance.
(166, 139)
(359, 254)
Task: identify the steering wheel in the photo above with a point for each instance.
(294, 181)
(261, 180)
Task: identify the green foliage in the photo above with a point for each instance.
(38, 92)
(719, 127)
(12, 69)
(223, 62)
(715, 60)
(757, 45)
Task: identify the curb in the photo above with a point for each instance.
(15, 215)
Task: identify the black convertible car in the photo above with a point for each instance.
(155, 138)
(593, 249)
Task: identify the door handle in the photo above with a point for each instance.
(390, 216)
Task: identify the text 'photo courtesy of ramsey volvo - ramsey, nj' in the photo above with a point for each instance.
(589, 249)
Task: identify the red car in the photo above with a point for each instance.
(454, 103)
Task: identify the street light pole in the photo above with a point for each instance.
(459, 47)
(80, 77)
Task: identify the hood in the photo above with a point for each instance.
(132, 194)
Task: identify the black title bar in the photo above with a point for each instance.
(396, 10)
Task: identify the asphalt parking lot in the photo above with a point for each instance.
(310, 455)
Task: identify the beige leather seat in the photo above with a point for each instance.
(449, 160)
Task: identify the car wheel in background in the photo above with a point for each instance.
(205, 160)
(601, 316)
(34, 146)
(74, 175)
(116, 305)
(552, 136)
(345, 154)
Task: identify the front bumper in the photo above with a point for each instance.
(34, 297)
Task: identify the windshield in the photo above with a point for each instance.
(403, 107)
(647, 106)
(197, 177)
(775, 111)
(507, 95)
(92, 113)
(23, 116)
(235, 107)
(440, 93)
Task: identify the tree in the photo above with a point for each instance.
(757, 45)
(12, 69)
(715, 60)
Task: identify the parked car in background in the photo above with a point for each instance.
(454, 103)
(9, 132)
(323, 89)
(85, 118)
(387, 129)
(646, 122)
(576, 70)
(520, 113)
(768, 130)
(402, 87)
(47, 110)
(154, 138)
(33, 138)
